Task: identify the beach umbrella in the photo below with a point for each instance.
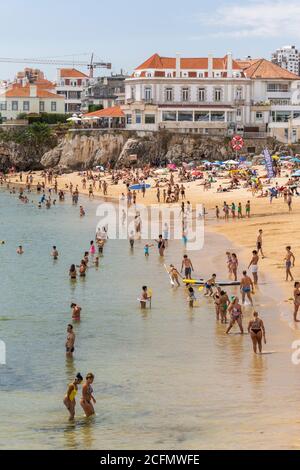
(231, 162)
(296, 174)
(172, 166)
(296, 160)
(74, 118)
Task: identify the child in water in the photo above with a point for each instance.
(146, 250)
(192, 297)
(92, 248)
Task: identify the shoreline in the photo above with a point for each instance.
(242, 233)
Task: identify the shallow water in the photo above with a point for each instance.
(166, 378)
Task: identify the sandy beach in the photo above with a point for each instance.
(279, 226)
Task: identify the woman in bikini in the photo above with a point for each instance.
(73, 272)
(296, 300)
(235, 310)
(234, 265)
(257, 331)
(217, 297)
(87, 401)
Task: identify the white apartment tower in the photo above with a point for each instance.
(288, 57)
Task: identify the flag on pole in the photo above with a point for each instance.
(269, 163)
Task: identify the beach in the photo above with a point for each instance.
(166, 378)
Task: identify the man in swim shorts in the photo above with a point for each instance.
(247, 287)
(187, 265)
(70, 343)
(254, 266)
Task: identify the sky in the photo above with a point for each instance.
(127, 32)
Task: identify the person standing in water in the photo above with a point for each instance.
(54, 253)
(88, 401)
(254, 266)
(161, 245)
(235, 310)
(92, 248)
(296, 300)
(69, 400)
(76, 311)
(70, 343)
(144, 297)
(289, 263)
(247, 287)
(257, 331)
(73, 272)
(187, 265)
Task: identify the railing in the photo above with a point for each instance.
(255, 135)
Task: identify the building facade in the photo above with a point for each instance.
(70, 84)
(287, 57)
(104, 91)
(211, 96)
(29, 99)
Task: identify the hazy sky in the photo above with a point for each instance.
(126, 32)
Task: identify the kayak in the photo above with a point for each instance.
(201, 282)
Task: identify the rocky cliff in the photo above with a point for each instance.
(80, 150)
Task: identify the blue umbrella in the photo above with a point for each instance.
(295, 160)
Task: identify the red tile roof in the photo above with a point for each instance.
(17, 91)
(114, 112)
(72, 73)
(158, 62)
(262, 68)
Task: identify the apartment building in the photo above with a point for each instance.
(287, 57)
(70, 84)
(104, 91)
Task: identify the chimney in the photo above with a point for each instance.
(33, 91)
(178, 64)
(229, 65)
(210, 65)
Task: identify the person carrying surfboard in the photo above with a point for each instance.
(174, 275)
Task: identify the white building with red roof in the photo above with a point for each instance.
(219, 96)
(70, 84)
(36, 98)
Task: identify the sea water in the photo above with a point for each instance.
(167, 377)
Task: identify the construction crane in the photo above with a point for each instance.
(63, 63)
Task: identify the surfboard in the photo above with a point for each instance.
(139, 187)
(201, 282)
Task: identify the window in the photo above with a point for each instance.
(3, 106)
(148, 74)
(42, 106)
(185, 94)
(133, 93)
(15, 106)
(200, 74)
(138, 117)
(26, 105)
(73, 82)
(169, 94)
(53, 106)
(185, 116)
(277, 87)
(148, 94)
(218, 94)
(202, 116)
(217, 116)
(169, 116)
(239, 93)
(129, 118)
(281, 116)
(150, 119)
(201, 94)
(259, 116)
(239, 113)
(169, 75)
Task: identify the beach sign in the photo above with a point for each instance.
(269, 163)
